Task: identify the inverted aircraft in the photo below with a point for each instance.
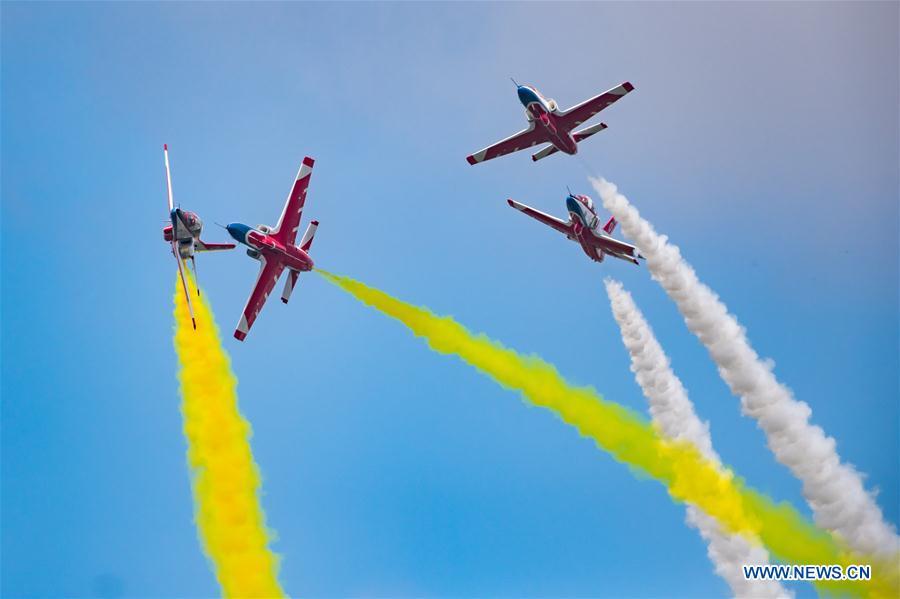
(184, 235)
(584, 228)
(548, 124)
(274, 248)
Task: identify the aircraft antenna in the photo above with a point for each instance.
(514, 82)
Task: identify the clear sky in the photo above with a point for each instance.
(762, 138)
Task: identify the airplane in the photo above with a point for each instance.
(274, 248)
(583, 228)
(184, 235)
(556, 126)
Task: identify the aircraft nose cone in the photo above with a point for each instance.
(237, 231)
(525, 95)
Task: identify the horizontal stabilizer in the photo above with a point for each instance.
(632, 257)
(585, 133)
(289, 282)
(551, 149)
(202, 246)
(307, 239)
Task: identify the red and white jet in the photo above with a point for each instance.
(184, 235)
(274, 248)
(548, 124)
(584, 228)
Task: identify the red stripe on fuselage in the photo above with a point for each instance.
(559, 135)
(290, 256)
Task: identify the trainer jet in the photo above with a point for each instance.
(584, 228)
(274, 248)
(184, 235)
(548, 124)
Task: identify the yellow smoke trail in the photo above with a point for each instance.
(631, 439)
(225, 479)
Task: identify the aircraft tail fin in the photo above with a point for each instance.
(551, 149)
(305, 243)
(610, 225)
(585, 133)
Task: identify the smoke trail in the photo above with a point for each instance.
(629, 438)
(834, 490)
(674, 413)
(225, 479)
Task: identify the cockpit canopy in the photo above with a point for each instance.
(587, 201)
(191, 220)
(550, 102)
(583, 208)
(529, 94)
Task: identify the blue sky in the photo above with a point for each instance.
(763, 139)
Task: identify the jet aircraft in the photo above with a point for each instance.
(548, 124)
(184, 235)
(274, 248)
(584, 228)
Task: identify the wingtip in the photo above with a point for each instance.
(166, 147)
(194, 322)
(314, 222)
(628, 87)
(309, 161)
(283, 301)
(511, 203)
(471, 160)
(240, 336)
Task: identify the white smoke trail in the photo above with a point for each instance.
(834, 490)
(674, 413)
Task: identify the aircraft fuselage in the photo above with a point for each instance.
(595, 242)
(261, 243)
(185, 229)
(544, 114)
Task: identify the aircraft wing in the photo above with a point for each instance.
(184, 285)
(168, 176)
(521, 140)
(202, 246)
(286, 229)
(576, 115)
(551, 221)
(616, 247)
(269, 271)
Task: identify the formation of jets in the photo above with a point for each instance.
(276, 249)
